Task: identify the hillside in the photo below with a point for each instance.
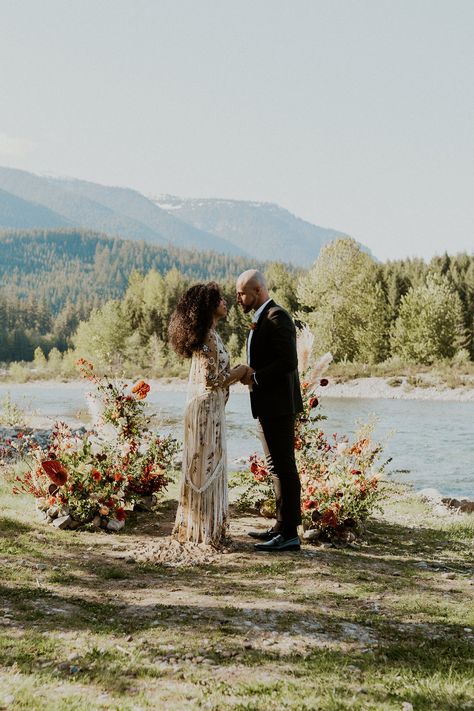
(119, 212)
(17, 213)
(265, 230)
(261, 231)
(58, 266)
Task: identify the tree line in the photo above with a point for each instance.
(53, 279)
(360, 309)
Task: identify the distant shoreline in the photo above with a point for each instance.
(363, 388)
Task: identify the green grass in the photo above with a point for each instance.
(366, 627)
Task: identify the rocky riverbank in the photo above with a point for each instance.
(401, 387)
(393, 388)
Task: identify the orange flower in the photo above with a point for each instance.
(141, 390)
(359, 446)
(56, 472)
(254, 467)
(104, 511)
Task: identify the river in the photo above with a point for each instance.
(431, 442)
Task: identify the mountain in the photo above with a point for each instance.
(21, 214)
(259, 231)
(120, 212)
(265, 230)
(135, 206)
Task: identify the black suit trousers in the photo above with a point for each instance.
(277, 435)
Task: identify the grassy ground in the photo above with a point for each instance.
(379, 626)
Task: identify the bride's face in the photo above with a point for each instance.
(221, 310)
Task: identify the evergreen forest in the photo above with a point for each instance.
(67, 294)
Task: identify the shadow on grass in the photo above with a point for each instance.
(411, 656)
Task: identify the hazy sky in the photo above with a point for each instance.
(353, 114)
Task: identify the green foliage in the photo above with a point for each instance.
(68, 292)
(344, 303)
(103, 337)
(11, 414)
(281, 283)
(430, 324)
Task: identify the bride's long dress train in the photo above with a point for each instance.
(203, 502)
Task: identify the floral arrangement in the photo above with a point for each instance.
(100, 476)
(339, 479)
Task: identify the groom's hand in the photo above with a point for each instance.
(247, 378)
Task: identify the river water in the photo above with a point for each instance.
(431, 442)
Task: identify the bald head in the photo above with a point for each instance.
(252, 290)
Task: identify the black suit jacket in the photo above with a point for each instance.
(274, 359)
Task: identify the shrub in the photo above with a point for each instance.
(106, 471)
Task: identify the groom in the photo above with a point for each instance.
(275, 399)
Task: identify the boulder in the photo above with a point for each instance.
(463, 505)
(62, 522)
(114, 525)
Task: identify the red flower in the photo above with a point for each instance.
(141, 390)
(120, 514)
(355, 472)
(323, 382)
(96, 475)
(118, 476)
(56, 472)
(260, 474)
(298, 443)
(313, 402)
(254, 467)
(308, 504)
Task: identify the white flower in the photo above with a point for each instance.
(96, 447)
(125, 449)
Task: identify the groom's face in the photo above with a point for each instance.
(248, 296)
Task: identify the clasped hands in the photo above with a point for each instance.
(243, 373)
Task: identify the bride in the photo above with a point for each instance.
(202, 510)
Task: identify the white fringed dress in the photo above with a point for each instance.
(203, 502)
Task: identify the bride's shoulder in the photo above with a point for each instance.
(210, 342)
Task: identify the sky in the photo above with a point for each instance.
(352, 114)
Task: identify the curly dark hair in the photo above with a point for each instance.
(192, 318)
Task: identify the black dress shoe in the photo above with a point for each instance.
(263, 535)
(278, 544)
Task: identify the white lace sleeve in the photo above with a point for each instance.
(215, 377)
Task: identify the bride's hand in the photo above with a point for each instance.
(236, 374)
